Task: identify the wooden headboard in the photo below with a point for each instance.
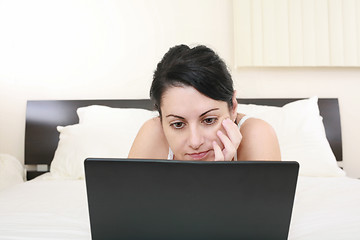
(42, 118)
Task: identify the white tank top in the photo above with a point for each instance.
(241, 122)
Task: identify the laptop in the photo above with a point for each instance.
(166, 199)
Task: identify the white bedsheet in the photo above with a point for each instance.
(45, 209)
(325, 208)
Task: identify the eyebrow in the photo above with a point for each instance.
(209, 111)
(176, 116)
(173, 115)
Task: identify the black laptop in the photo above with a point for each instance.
(166, 199)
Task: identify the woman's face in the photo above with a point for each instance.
(190, 121)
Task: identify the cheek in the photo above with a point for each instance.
(210, 133)
(214, 136)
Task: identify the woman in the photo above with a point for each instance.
(198, 120)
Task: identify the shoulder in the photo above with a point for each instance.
(255, 126)
(152, 125)
(150, 142)
(259, 141)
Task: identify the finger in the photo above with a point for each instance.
(224, 139)
(218, 152)
(229, 149)
(232, 131)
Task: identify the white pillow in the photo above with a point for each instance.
(11, 171)
(301, 135)
(110, 139)
(254, 109)
(96, 114)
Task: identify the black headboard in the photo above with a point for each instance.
(43, 116)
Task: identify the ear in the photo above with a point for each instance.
(234, 107)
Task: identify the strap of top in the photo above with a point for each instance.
(241, 122)
(170, 155)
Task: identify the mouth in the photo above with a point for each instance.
(198, 155)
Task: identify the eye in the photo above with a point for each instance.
(209, 121)
(177, 125)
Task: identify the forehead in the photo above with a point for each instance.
(187, 100)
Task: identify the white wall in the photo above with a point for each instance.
(55, 49)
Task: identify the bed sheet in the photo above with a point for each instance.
(324, 208)
(45, 209)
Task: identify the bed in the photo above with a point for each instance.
(60, 134)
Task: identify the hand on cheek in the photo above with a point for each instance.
(231, 141)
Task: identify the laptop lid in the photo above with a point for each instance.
(162, 199)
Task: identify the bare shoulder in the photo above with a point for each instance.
(255, 126)
(150, 142)
(259, 141)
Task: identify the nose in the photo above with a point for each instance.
(195, 138)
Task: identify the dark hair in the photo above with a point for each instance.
(198, 67)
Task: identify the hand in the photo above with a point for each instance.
(231, 141)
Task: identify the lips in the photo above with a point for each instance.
(198, 155)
